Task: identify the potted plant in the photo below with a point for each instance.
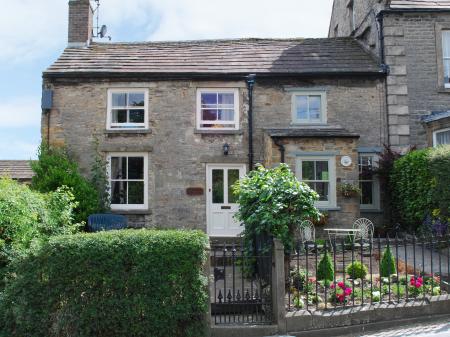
(349, 190)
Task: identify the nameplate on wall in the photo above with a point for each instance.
(194, 191)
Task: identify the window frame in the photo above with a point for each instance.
(331, 203)
(443, 58)
(323, 105)
(440, 28)
(435, 132)
(128, 207)
(199, 121)
(375, 205)
(127, 126)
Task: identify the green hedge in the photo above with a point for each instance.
(420, 185)
(119, 283)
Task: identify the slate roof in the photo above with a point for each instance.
(435, 116)
(420, 4)
(16, 169)
(238, 56)
(309, 132)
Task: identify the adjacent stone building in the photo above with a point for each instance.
(412, 41)
(179, 122)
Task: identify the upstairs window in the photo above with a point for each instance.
(127, 109)
(441, 137)
(309, 107)
(446, 56)
(217, 109)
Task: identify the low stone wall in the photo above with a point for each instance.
(301, 321)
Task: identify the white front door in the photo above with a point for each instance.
(221, 203)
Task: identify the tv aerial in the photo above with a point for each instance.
(102, 30)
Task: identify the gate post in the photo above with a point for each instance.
(278, 286)
(207, 273)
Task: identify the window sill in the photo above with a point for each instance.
(370, 210)
(328, 208)
(218, 132)
(131, 212)
(129, 131)
(297, 124)
(443, 90)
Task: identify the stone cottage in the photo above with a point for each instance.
(412, 41)
(180, 122)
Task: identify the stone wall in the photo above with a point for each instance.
(178, 153)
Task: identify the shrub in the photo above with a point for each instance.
(272, 202)
(357, 270)
(387, 266)
(298, 277)
(27, 216)
(55, 169)
(116, 283)
(325, 270)
(420, 185)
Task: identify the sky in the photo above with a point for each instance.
(34, 32)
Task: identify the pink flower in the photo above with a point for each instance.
(412, 281)
(347, 291)
(418, 285)
(332, 286)
(340, 297)
(341, 285)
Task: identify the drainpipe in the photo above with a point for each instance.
(384, 67)
(250, 85)
(281, 148)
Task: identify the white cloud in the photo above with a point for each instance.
(20, 112)
(18, 149)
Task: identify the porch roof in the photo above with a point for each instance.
(324, 132)
(16, 169)
(420, 4)
(435, 116)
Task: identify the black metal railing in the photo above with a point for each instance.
(356, 273)
(241, 290)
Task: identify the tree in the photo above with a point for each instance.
(272, 202)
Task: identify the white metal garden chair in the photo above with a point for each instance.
(365, 231)
(307, 235)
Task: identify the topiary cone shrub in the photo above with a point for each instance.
(357, 270)
(325, 270)
(387, 266)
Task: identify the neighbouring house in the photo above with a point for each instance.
(19, 170)
(180, 122)
(412, 41)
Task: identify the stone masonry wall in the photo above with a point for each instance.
(178, 153)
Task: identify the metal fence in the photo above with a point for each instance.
(241, 291)
(342, 273)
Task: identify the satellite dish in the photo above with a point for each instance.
(103, 31)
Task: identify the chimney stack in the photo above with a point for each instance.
(80, 23)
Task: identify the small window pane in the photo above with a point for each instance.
(119, 99)
(217, 186)
(443, 137)
(118, 168)
(302, 107)
(136, 192)
(446, 44)
(119, 116)
(119, 192)
(322, 190)
(233, 176)
(209, 98)
(209, 115)
(136, 99)
(226, 99)
(226, 115)
(366, 193)
(307, 170)
(447, 71)
(322, 170)
(314, 107)
(135, 168)
(137, 116)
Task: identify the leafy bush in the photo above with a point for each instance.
(27, 216)
(272, 202)
(298, 277)
(420, 185)
(117, 283)
(325, 269)
(387, 266)
(357, 270)
(55, 169)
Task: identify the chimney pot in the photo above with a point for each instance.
(80, 23)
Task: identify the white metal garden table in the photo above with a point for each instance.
(334, 233)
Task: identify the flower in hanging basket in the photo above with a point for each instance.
(349, 190)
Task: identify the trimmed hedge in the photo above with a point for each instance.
(119, 283)
(420, 185)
